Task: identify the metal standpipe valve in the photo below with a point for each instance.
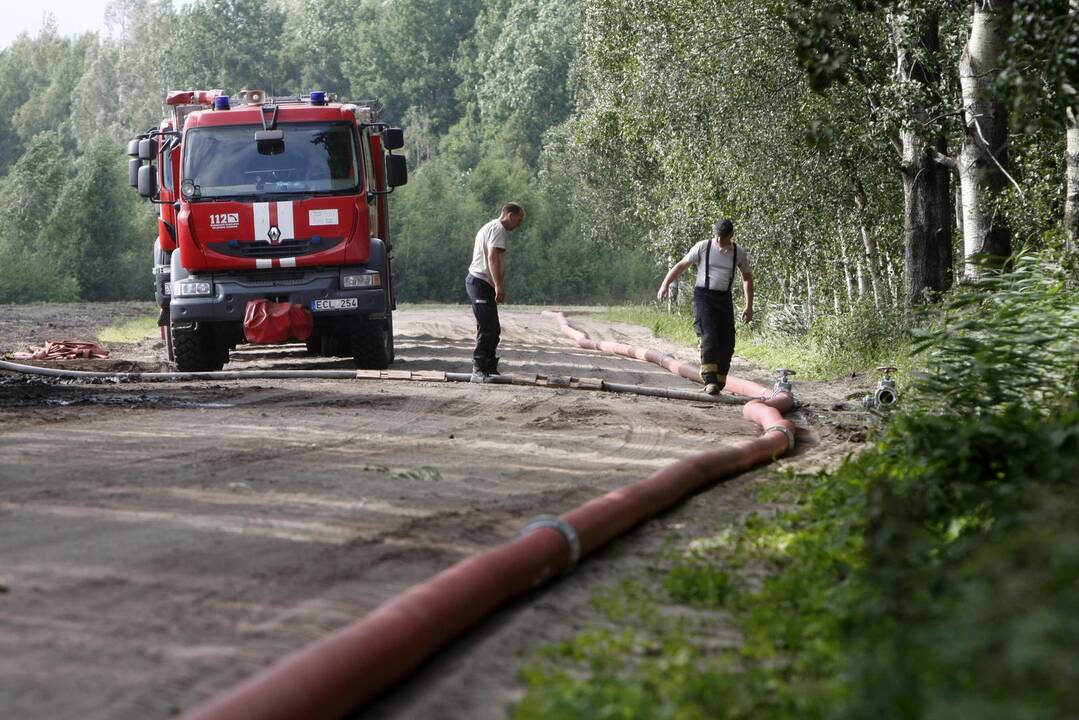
(886, 395)
(783, 384)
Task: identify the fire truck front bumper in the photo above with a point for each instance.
(355, 292)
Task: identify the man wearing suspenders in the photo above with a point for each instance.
(713, 306)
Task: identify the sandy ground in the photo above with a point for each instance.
(161, 542)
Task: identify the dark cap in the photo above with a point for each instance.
(723, 228)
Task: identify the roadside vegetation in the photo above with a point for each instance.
(130, 331)
(831, 347)
(931, 576)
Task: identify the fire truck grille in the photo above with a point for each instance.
(286, 248)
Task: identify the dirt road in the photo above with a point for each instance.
(160, 542)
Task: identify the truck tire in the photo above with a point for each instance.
(199, 350)
(368, 343)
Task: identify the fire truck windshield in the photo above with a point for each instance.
(225, 162)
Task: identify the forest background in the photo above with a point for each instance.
(625, 128)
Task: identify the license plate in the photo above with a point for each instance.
(335, 304)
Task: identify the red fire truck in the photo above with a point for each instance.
(272, 224)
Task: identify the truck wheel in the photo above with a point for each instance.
(368, 343)
(198, 350)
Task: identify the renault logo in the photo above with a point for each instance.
(274, 234)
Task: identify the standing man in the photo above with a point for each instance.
(713, 306)
(486, 289)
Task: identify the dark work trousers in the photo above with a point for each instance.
(713, 313)
(488, 328)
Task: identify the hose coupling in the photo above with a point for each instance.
(783, 385)
(885, 394)
(786, 431)
(557, 523)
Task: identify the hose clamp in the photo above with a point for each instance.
(786, 431)
(557, 523)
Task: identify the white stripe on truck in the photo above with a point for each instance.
(262, 222)
(284, 221)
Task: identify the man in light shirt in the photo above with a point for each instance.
(716, 259)
(486, 288)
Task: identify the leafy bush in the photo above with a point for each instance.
(933, 576)
(863, 338)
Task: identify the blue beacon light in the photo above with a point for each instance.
(221, 102)
(318, 97)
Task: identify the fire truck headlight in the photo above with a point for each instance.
(350, 282)
(192, 288)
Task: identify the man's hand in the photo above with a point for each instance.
(500, 295)
(664, 290)
(747, 315)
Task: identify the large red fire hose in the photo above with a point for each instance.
(349, 667)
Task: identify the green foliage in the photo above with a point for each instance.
(865, 337)
(28, 272)
(237, 44)
(830, 347)
(96, 230)
(404, 55)
(547, 260)
(930, 577)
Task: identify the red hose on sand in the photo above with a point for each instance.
(348, 668)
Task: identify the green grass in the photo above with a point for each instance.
(825, 353)
(130, 331)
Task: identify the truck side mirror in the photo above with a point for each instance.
(133, 147)
(148, 149)
(133, 166)
(393, 138)
(148, 181)
(396, 170)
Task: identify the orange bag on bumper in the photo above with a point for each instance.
(269, 322)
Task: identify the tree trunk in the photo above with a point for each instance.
(1071, 204)
(984, 156)
(861, 277)
(926, 183)
(868, 241)
(846, 263)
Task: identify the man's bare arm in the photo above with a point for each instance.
(673, 274)
(747, 286)
(494, 262)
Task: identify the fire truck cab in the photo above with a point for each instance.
(272, 224)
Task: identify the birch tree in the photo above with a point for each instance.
(1071, 152)
(983, 158)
